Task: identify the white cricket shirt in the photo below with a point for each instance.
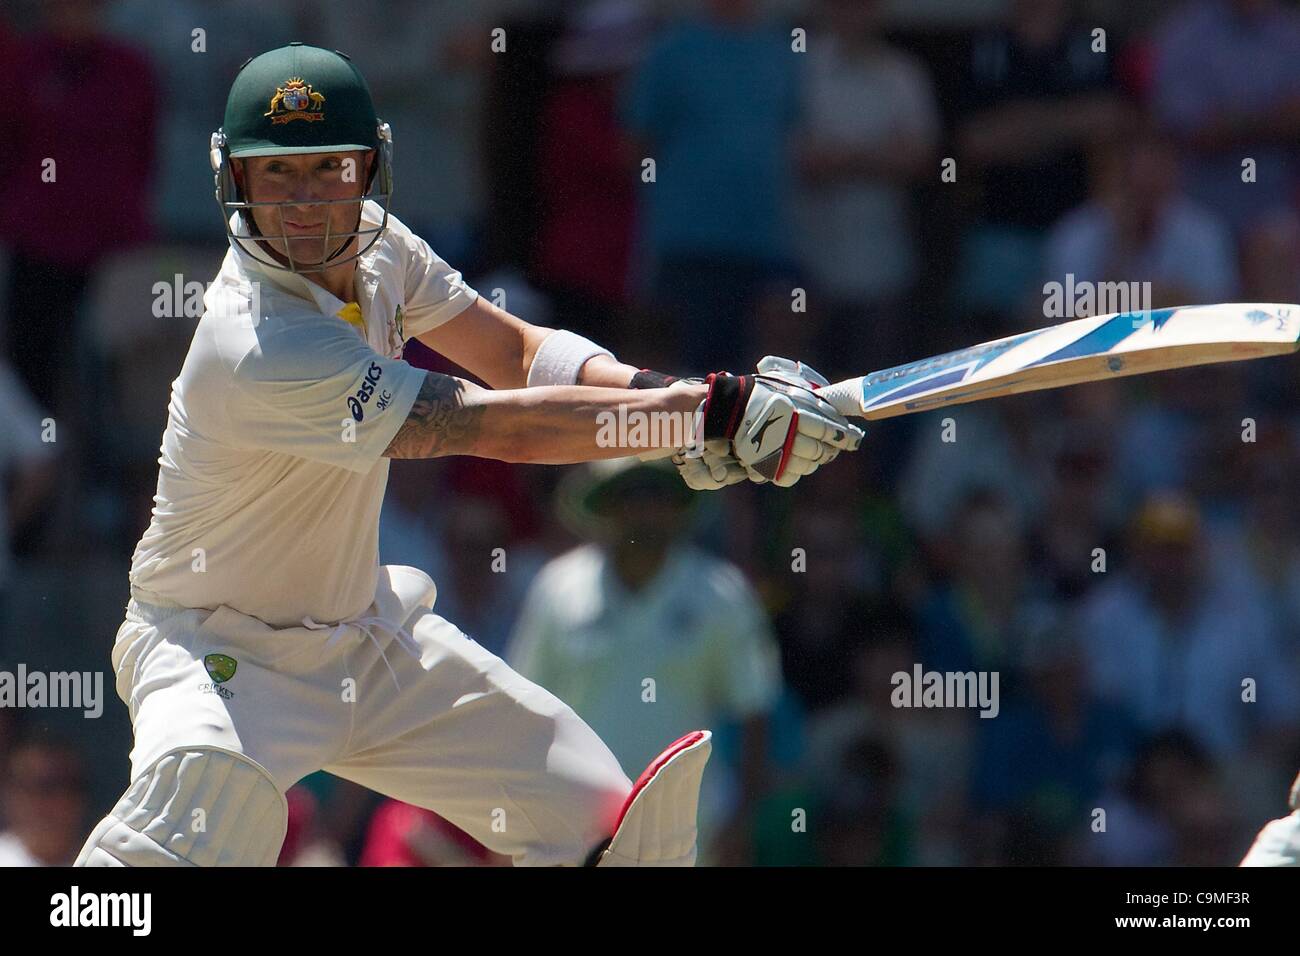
(271, 474)
(692, 648)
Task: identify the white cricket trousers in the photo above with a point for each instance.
(398, 700)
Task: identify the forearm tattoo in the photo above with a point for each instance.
(439, 422)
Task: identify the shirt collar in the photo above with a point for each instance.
(252, 258)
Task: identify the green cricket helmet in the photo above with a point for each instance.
(295, 100)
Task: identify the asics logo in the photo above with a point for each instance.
(362, 396)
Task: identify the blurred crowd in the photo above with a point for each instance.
(853, 183)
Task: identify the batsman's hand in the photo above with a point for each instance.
(714, 468)
(704, 466)
(778, 428)
(707, 466)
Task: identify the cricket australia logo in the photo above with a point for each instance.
(295, 100)
(396, 339)
(220, 668)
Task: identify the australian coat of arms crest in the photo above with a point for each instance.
(296, 100)
(395, 337)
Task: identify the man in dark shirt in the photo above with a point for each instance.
(1040, 95)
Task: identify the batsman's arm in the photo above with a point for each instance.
(602, 370)
(499, 348)
(553, 425)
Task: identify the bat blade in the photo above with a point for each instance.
(1084, 350)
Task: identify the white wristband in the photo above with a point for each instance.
(560, 357)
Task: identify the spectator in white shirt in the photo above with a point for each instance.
(1145, 229)
(1176, 643)
(870, 133)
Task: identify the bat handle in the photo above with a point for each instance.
(845, 396)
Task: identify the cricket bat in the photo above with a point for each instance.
(1084, 350)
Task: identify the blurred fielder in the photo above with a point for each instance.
(263, 640)
(646, 635)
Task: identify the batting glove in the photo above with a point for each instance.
(778, 428)
(708, 467)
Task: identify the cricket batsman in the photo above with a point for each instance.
(263, 641)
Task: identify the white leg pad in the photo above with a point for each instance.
(658, 824)
(197, 807)
(1278, 844)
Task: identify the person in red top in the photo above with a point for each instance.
(587, 170)
(403, 835)
(8, 55)
(77, 127)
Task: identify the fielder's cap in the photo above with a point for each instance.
(299, 99)
(586, 493)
